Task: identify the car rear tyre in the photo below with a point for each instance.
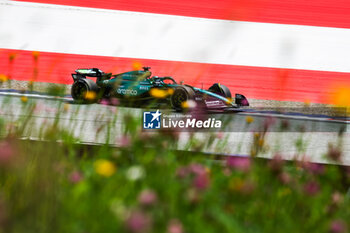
(81, 87)
(220, 89)
(181, 95)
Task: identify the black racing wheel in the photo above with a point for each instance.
(181, 94)
(83, 86)
(220, 89)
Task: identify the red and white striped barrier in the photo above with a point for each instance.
(266, 49)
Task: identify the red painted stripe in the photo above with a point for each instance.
(311, 12)
(254, 82)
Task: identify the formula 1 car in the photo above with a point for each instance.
(140, 86)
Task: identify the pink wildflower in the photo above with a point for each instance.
(175, 226)
(201, 181)
(334, 153)
(285, 178)
(7, 152)
(138, 222)
(197, 168)
(125, 141)
(276, 163)
(75, 177)
(182, 172)
(147, 197)
(239, 163)
(311, 188)
(337, 226)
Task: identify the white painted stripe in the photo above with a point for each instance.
(79, 30)
(35, 96)
(295, 117)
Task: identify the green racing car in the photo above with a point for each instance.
(141, 87)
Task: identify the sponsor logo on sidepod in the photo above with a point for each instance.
(127, 91)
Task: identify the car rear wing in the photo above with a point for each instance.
(91, 72)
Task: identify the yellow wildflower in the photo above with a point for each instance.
(283, 192)
(12, 56)
(66, 107)
(307, 103)
(136, 65)
(3, 78)
(236, 184)
(35, 54)
(207, 170)
(229, 100)
(188, 104)
(24, 99)
(249, 119)
(170, 91)
(261, 142)
(30, 84)
(90, 95)
(253, 152)
(185, 104)
(342, 96)
(104, 167)
(158, 93)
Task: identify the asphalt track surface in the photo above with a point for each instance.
(308, 137)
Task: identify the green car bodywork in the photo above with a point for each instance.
(138, 84)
